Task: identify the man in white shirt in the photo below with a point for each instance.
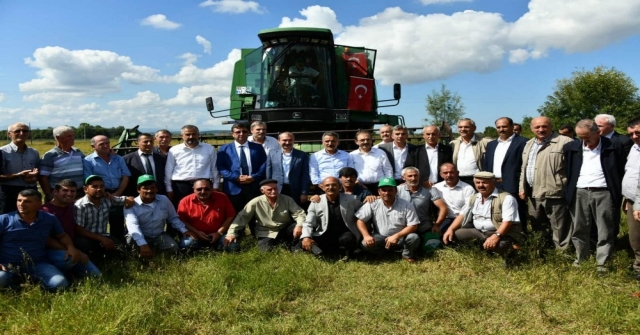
(371, 163)
(398, 151)
(630, 184)
(593, 188)
(454, 192)
(259, 135)
(188, 161)
(468, 150)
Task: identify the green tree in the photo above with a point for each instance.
(444, 106)
(526, 127)
(490, 132)
(588, 93)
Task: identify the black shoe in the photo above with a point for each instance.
(346, 257)
(316, 250)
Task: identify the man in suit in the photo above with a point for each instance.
(398, 151)
(593, 191)
(430, 156)
(289, 162)
(145, 161)
(503, 157)
(468, 150)
(331, 223)
(243, 166)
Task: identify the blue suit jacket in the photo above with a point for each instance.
(299, 178)
(511, 165)
(228, 164)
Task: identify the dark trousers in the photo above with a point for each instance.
(285, 236)
(95, 249)
(472, 234)
(11, 196)
(181, 189)
(331, 243)
(551, 218)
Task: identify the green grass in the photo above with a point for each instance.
(453, 292)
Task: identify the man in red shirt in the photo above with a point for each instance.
(208, 214)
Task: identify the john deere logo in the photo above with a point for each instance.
(297, 115)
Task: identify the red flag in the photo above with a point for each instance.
(355, 64)
(360, 94)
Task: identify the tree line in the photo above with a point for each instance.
(83, 131)
(585, 94)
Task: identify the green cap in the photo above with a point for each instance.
(387, 182)
(92, 177)
(145, 178)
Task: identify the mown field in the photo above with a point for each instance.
(456, 291)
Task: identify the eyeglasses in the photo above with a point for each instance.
(200, 189)
(19, 131)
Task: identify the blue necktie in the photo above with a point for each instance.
(244, 166)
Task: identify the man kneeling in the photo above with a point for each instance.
(331, 223)
(147, 217)
(395, 223)
(489, 216)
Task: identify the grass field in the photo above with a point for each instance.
(460, 291)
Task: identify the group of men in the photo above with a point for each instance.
(376, 198)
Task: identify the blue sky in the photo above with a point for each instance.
(152, 63)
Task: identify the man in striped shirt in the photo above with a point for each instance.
(62, 162)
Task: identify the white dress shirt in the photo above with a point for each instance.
(631, 173)
(455, 197)
(466, 163)
(432, 156)
(499, 154)
(371, 166)
(269, 144)
(399, 156)
(591, 174)
(184, 163)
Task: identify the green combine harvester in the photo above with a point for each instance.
(300, 81)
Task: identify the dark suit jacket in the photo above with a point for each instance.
(420, 160)
(228, 164)
(299, 178)
(388, 149)
(625, 141)
(511, 165)
(134, 163)
(610, 157)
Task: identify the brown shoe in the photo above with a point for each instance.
(409, 259)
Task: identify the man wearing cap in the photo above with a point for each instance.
(422, 199)
(328, 161)
(394, 220)
(243, 166)
(147, 217)
(208, 214)
(20, 165)
(274, 214)
(331, 223)
(92, 213)
(489, 217)
(115, 174)
(145, 161)
(454, 193)
(64, 195)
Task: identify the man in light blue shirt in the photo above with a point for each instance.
(328, 161)
(146, 220)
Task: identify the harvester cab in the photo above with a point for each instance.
(300, 81)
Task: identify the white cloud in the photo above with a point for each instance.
(189, 58)
(142, 99)
(315, 16)
(159, 21)
(76, 73)
(206, 44)
(89, 107)
(431, 2)
(2, 97)
(233, 6)
(191, 74)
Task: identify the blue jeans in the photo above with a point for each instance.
(46, 274)
(408, 244)
(192, 244)
(57, 258)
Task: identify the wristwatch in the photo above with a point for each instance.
(498, 234)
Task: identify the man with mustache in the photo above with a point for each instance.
(423, 199)
(468, 150)
(385, 135)
(187, 162)
(593, 191)
(371, 163)
(259, 136)
(630, 184)
(328, 161)
(20, 164)
(542, 182)
(428, 157)
(163, 139)
(398, 151)
(454, 193)
(489, 217)
(504, 159)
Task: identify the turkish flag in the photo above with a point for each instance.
(360, 94)
(355, 64)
